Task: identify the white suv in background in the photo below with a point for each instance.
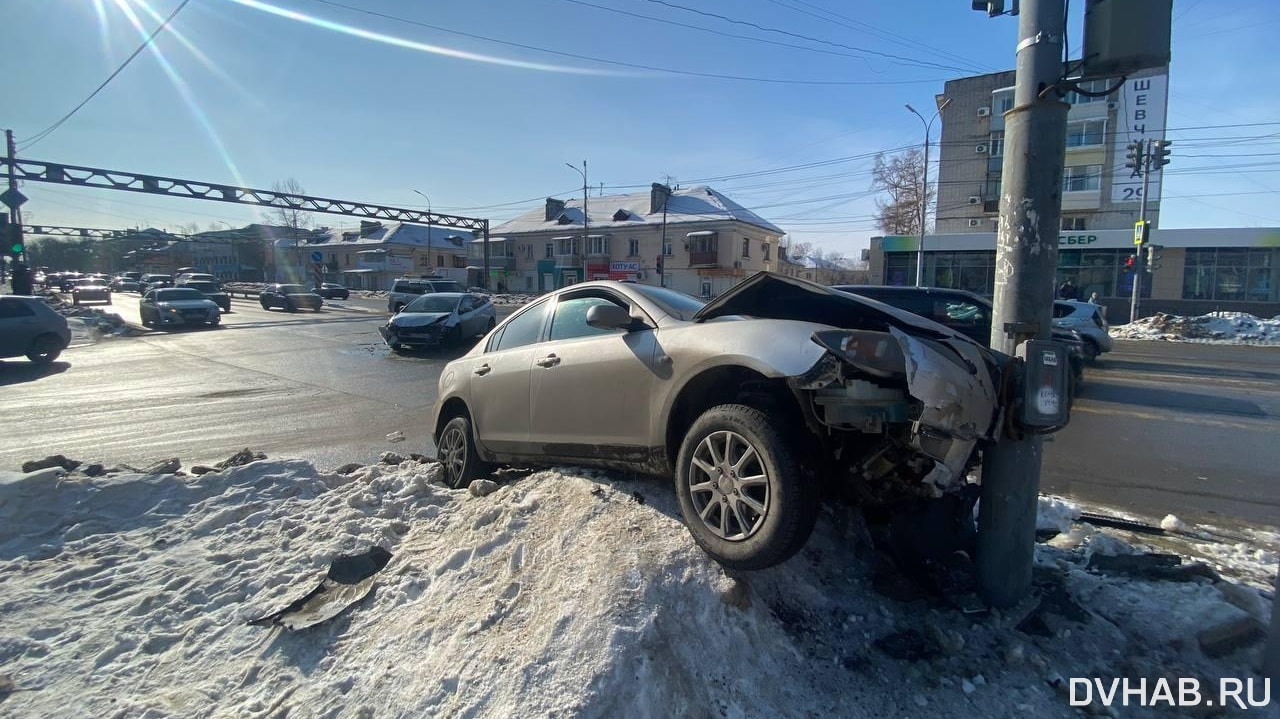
(1089, 320)
(408, 289)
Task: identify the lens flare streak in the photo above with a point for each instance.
(420, 46)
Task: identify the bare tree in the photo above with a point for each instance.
(796, 250)
(900, 178)
(296, 220)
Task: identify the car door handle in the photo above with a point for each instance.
(549, 361)
(664, 359)
(482, 370)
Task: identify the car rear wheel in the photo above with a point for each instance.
(45, 349)
(457, 453)
(743, 493)
(1091, 351)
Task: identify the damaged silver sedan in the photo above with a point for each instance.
(753, 402)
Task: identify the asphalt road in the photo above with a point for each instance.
(1192, 430)
(316, 385)
(1187, 429)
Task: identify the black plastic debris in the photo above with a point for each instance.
(349, 579)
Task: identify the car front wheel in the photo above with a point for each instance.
(457, 453)
(744, 495)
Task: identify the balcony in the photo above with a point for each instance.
(707, 258)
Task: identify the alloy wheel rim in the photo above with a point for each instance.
(453, 451)
(729, 486)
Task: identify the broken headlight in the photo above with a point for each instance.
(876, 353)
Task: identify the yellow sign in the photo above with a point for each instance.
(1139, 232)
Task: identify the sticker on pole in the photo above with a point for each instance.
(1047, 401)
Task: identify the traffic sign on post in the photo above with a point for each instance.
(1141, 229)
(13, 198)
(317, 256)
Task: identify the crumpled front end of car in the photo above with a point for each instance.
(902, 413)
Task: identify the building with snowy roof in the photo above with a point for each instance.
(694, 239)
(371, 256)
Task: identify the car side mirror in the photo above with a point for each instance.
(609, 317)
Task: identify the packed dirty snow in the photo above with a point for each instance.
(1213, 328)
(562, 593)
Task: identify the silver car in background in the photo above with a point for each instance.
(439, 318)
(751, 401)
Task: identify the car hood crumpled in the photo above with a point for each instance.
(417, 319)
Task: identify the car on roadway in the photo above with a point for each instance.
(177, 306)
(31, 328)
(290, 298)
(90, 289)
(122, 283)
(406, 289)
(196, 277)
(754, 401)
(67, 280)
(965, 312)
(150, 282)
(212, 290)
(439, 318)
(1089, 320)
(331, 291)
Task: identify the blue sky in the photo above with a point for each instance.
(241, 94)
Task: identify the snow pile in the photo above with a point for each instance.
(558, 594)
(1214, 328)
(512, 299)
(1056, 513)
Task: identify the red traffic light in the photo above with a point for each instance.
(1129, 262)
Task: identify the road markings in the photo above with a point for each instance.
(1261, 426)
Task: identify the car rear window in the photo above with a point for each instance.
(10, 307)
(446, 287)
(177, 293)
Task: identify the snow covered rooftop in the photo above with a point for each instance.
(386, 233)
(815, 263)
(692, 204)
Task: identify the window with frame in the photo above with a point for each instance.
(567, 246)
(1086, 133)
(1238, 274)
(1073, 223)
(598, 245)
(570, 319)
(1002, 101)
(1099, 85)
(633, 247)
(997, 143)
(551, 250)
(764, 248)
(1081, 178)
(704, 243)
(523, 329)
(666, 248)
(746, 247)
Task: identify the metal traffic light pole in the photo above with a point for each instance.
(1140, 236)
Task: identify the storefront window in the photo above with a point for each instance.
(900, 269)
(1234, 274)
(1100, 271)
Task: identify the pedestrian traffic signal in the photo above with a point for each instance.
(1160, 152)
(1153, 259)
(1133, 155)
(1129, 262)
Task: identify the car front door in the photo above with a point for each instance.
(147, 306)
(591, 387)
(467, 316)
(500, 382)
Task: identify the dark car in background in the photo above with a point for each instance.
(177, 306)
(67, 280)
(289, 298)
(439, 318)
(153, 282)
(123, 283)
(960, 310)
(211, 290)
(331, 291)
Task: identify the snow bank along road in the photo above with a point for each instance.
(563, 593)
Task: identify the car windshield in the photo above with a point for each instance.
(93, 282)
(201, 286)
(433, 303)
(676, 304)
(178, 293)
(292, 289)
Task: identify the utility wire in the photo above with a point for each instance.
(31, 141)
(854, 24)
(764, 28)
(619, 63)
(721, 33)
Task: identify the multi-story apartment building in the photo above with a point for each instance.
(695, 240)
(1098, 191)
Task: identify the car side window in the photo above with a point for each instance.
(466, 305)
(570, 319)
(13, 308)
(525, 328)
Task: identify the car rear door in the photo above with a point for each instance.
(500, 390)
(592, 387)
(18, 326)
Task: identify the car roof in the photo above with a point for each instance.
(447, 295)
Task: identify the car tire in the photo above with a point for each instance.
(1091, 350)
(750, 522)
(265, 305)
(75, 301)
(289, 306)
(45, 349)
(456, 450)
(108, 300)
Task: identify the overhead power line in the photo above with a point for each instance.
(620, 63)
(778, 31)
(31, 141)
(721, 33)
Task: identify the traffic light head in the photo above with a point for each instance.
(1129, 262)
(1133, 155)
(13, 239)
(1161, 152)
